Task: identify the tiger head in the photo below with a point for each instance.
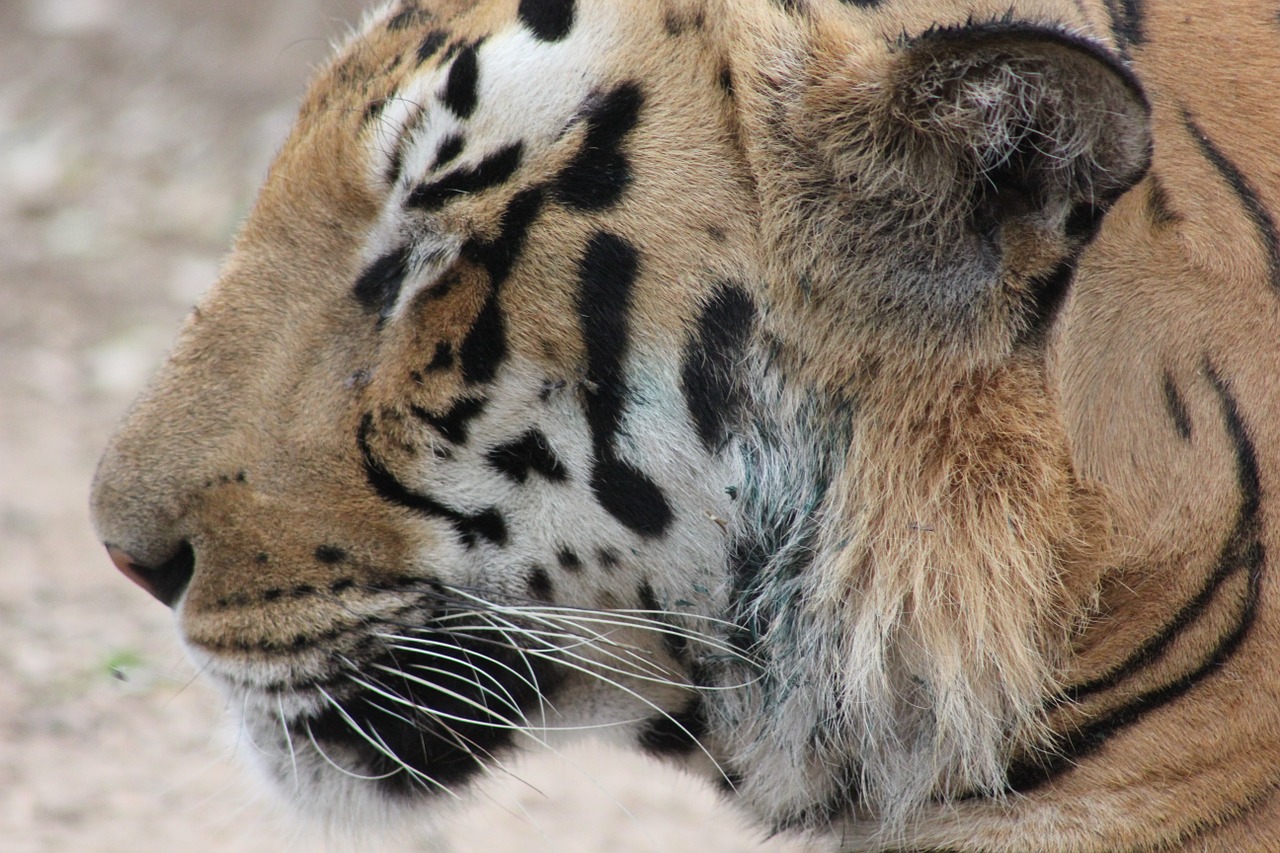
(704, 374)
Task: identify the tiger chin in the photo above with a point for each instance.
(869, 405)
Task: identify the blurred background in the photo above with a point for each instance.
(132, 136)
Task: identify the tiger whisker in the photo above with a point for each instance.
(502, 722)
(508, 699)
(527, 727)
(553, 649)
(288, 739)
(551, 640)
(463, 742)
(622, 687)
(531, 681)
(490, 766)
(336, 766)
(641, 619)
(380, 746)
(603, 646)
(640, 614)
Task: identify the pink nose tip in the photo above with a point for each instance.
(167, 581)
(128, 566)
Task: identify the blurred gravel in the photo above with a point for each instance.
(132, 136)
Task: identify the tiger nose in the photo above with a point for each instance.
(167, 580)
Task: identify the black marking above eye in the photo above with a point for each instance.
(461, 90)
(530, 452)
(379, 286)
(549, 20)
(568, 560)
(599, 173)
(709, 376)
(488, 173)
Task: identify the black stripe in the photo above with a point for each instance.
(630, 496)
(1247, 193)
(1159, 208)
(709, 377)
(530, 452)
(461, 89)
(450, 147)
(1127, 22)
(493, 170)
(499, 256)
(453, 423)
(1242, 551)
(1176, 408)
(600, 173)
(379, 286)
(549, 20)
(607, 272)
(431, 44)
(442, 358)
(676, 643)
(486, 523)
(485, 346)
(1047, 293)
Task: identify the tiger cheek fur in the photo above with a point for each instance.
(788, 388)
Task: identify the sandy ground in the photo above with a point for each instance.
(132, 134)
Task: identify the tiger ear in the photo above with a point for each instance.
(962, 171)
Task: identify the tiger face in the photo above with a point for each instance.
(442, 489)
(699, 374)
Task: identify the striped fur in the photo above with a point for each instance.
(870, 405)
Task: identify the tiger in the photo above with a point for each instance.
(869, 406)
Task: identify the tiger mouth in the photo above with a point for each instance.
(418, 699)
(424, 715)
(418, 712)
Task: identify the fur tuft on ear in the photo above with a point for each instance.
(945, 185)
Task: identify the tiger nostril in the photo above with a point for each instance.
(166, 581)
